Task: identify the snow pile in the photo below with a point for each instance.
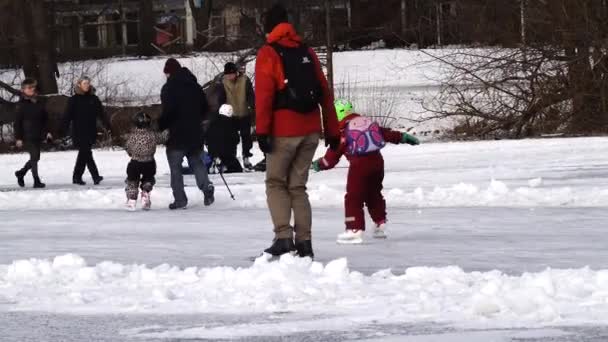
(495, 194)
(68, 284)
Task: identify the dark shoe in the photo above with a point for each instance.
(38, 184)
(176, 206)
(209, 195)
(20, 175)
(280, 247)
(97, 180)
(78, 181)
(304, 249)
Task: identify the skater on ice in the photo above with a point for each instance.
(83, 111)
(141, 170)
(30, 130)
(238, 92)
(184, 108)
(361, 142)
(290, 87)
(222, 141)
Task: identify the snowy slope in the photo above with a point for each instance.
(493, 234)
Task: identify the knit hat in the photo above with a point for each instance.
(230, 68)
(172, 66)
(276, 15)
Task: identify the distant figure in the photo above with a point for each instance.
(290, 86)
(238, 92)
(141, 147)
(184, 108)
(83, 111)
(30, 128)
(361, 142)
(223, 140)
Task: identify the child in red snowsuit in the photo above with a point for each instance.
(365, 178)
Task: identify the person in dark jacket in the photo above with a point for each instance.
(30, 128)
(184, 108)
(83, 111)
(222, 141)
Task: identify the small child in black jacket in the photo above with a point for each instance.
(222, 141)
(30, 128)
(141, 147)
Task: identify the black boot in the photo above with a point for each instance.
(209, 194)
(176, 206)
(304, 249)
(20, 175)
(97, 180)
(38, 184)
(78, 181)
(280, 247)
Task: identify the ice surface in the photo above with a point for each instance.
(501, 234)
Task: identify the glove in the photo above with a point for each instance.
(332, 142)
(316, 166)
(265, 143)
(409, 139)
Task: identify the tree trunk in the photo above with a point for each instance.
(23, 39)
(43, 47)
(146, 28)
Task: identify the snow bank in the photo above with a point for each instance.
(449, 295)
(495, 194)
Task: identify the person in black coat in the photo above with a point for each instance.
(184, 108)
(30, 128)
(83, 111)
(223, 139)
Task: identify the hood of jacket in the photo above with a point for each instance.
(183, 75)
(284, 34)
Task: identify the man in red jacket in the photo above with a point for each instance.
(290, 86)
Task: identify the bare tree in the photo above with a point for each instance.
(146, 28)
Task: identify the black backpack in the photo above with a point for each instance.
(303, 90)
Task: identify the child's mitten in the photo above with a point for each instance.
(409, 139)
(316, 166)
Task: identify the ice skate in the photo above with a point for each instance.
(146, 203)
(131, 205)
(351, 237)
(380, 231)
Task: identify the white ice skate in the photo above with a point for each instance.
(131, 205)
(351, 237)
(380, 231)
(146, 203)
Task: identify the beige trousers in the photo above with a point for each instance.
(287, 169)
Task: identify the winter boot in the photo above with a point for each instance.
(380, 231)
(304, 249)
(209, 194)
(146, 203)
(20, 178)
(38, 184)
(177, 206)
(78, 181)
(131, 205)
(351, 237)
(247, 164)
(97, 180)
(280, 247)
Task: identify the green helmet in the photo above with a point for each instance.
(343, 108)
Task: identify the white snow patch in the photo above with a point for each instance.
(448, 295)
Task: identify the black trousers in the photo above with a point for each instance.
(140, 175)
(244, 125)
(32, 164)
(85, 160)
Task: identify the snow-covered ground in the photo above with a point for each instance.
(490, 241)
(404, 78)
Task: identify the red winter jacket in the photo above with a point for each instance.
(332, 158)
(270, 78)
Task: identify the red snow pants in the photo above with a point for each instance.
(364, 187)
